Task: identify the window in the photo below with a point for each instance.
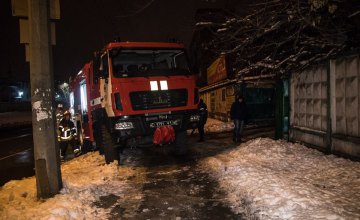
(83, 97)
(230, 91)
(223, 95)
(149, 62)
(212, 101)
(71, 109)
(96, 69)
(104, 65)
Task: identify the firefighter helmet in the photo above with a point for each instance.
(67, 113)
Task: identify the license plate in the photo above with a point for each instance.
(163, 123)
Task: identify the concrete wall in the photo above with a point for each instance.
(325, 106)
(308, 112)
(345, 105)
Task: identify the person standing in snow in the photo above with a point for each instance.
(203, 112)
(238, 114)
(67, 135)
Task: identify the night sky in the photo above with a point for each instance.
(87, 25)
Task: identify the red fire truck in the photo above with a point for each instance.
(129, 90)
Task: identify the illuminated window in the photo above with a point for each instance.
(83, 97)
(71, 109)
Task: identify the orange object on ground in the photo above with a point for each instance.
(164, 135)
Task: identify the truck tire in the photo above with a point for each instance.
(109, 145)
(122, 156)
(86, 146)
(181, 143)
(98, 137)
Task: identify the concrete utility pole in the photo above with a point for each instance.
(46, 150)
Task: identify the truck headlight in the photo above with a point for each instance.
(124, 125)
(194, 118)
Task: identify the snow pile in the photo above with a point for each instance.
(269, 179)
(85, 179)
(216, 126)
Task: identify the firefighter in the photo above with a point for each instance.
(59, 115)
(203, 112)
(67, 136)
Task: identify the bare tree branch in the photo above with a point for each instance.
(283, 36)
(137, 11)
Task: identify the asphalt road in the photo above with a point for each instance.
(16, 154)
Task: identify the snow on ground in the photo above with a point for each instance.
(270, 179)
(213, 126)
(216, 126)
(85, 179)
(262, 178)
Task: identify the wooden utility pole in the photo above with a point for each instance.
(46, 150)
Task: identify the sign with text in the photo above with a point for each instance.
(217, 70)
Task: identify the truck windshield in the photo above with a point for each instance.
(149, 62)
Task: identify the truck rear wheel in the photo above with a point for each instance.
(181, 143)
(109, 145)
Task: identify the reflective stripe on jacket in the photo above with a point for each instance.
(67, 130)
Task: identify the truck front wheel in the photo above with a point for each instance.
(98, 137)
(109, 145)
(181, 143)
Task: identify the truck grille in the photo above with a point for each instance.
(158, 99)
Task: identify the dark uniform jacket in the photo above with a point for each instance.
(238, 110)
(203, 112)
(67, 130)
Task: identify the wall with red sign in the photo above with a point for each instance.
(217, 70)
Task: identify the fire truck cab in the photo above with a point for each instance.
(128, 91)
